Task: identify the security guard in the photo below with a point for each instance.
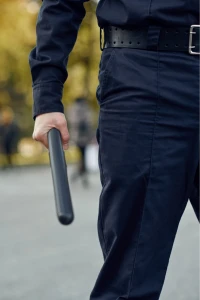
(148, 128)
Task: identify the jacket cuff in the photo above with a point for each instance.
(47, 98)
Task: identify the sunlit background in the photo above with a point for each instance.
(17, 38)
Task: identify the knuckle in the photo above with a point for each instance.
(37, 136)
(66, 138)
(66, 135)
(61, 123)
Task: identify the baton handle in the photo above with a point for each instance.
(58, 165)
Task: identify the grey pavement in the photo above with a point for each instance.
(42, 260)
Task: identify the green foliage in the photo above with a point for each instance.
(17, 38)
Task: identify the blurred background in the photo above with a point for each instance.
(39, 258)
(17, 38)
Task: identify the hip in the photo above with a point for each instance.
(131, 75)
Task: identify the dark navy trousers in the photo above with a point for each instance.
(148, 156)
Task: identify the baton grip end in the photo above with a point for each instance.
(66, 219)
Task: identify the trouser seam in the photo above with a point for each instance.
(150, 172)
(101, 204)
(150, 6)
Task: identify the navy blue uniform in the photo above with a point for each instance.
(57, 28)
(148, 136)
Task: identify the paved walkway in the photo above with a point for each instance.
(42, 260)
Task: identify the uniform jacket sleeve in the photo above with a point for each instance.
(57, 28)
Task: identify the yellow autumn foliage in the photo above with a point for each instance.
(17, 38)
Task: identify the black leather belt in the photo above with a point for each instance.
(184, 39)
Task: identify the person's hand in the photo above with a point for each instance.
(45, 122)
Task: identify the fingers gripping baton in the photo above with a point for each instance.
(60, 179)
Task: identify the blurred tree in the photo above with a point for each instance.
(84, 60)
(17, 38)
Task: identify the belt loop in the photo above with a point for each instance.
(153, 36)
(102, 44)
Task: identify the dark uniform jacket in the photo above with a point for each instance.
(57, 28)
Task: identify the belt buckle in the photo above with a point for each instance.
(192, 32)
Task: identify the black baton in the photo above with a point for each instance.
(60, 179)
